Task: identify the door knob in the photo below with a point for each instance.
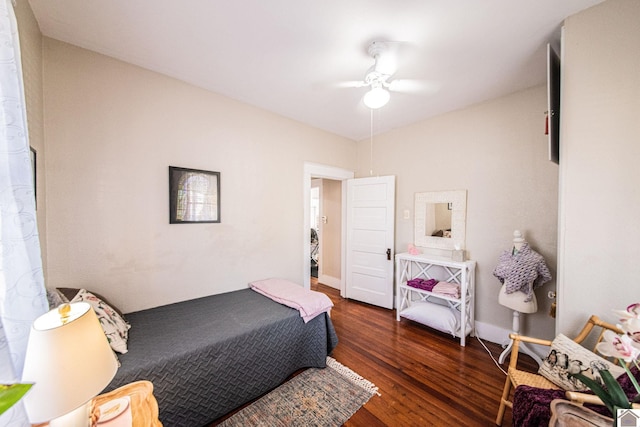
(388, 254)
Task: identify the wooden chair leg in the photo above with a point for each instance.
(504, 402)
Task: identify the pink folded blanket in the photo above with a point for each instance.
(432, 285)
(446, 288)
(309, 303)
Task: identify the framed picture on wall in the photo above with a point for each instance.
(194, 196)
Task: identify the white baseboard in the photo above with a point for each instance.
(492, 333)
(331, 281)
(498, 335)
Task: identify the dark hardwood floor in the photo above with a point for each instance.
(425, 378)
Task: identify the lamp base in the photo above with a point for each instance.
(79, 417)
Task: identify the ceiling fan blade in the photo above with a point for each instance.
(413, 86)
(351, 84)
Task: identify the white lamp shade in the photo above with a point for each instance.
(376, 97)
(70, 363)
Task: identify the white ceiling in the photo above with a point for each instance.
(289, 56)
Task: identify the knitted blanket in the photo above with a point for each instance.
(523, 270)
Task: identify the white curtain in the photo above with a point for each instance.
(22, 291)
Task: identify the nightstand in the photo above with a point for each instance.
(144, 407)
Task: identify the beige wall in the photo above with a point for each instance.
(114, 128)
(31, 52)
(112, 131)
(497, 151)
(599, 226)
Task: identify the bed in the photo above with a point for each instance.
(208, 356)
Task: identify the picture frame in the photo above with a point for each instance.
(194, 196)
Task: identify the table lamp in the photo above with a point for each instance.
(70, 361)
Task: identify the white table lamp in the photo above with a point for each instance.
(70, 361)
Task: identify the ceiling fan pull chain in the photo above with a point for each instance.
(371, 144)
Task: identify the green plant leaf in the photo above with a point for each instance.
(630, 375)
(617, 394)
(10, 394)
(613, 396)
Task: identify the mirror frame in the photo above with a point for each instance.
(458, 199)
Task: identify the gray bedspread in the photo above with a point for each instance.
(208, 356)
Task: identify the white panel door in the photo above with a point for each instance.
(370, 237)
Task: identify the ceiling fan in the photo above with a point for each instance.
(378, 76)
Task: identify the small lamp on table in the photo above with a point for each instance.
(70, 361)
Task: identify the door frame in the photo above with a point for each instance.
(317, 170)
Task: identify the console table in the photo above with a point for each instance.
(442, 269)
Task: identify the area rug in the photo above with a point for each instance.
(316, 397)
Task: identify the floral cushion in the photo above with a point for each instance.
(568, 357)
(70, 293)
(115, 327)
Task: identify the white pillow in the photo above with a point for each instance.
(114, 326)
(437, 316)
(568, 357)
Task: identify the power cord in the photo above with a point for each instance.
(489, 352)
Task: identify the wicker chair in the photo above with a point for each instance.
(516, 377)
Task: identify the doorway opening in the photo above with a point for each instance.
(326, 231)
(323, 172)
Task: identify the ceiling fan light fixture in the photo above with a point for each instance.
(377, 97)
